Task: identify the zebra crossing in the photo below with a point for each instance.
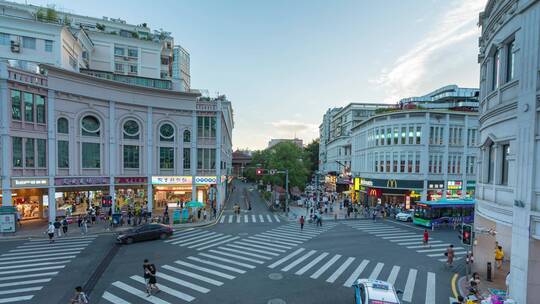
(196, 275)
(337, 269)
(249, 218)
(26, 269)
(408, 238)
(199, 239)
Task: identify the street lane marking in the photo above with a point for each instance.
(253, 249)
(219, 243)
(193, 275)
(185, 236)
(269, 218)
(55, 245)
(217, 265)
(207, 270)
(44, 274)
(258, 246)
(424, 246)
(253, 219)
(442, 254)
(209, 240)
(32, 269)
(38, 260)
(245, 253)
(236, 256)
(222, 220)
(356, 273)
(311, 264)
(266, 243)
(40, 256)
(32, 265)
(274, 240)
(340, 270)
(21, 290)
(200, 238)
(166, 289)
(296, 232)
(67, 239)
(376, 271)
(418, 242)
(286, 258)
(19, 251)
(16, 299)
(400, 236)
(409, 285)
(230, 218)
(393, 275)
(181, 282)
(430, 288)
(113, 299)
(438, 249)
(238, 219)
(227, 260)
(25, 282)
(136, 292)
(261, 218)
(191, 237)
(325, 266)
(277, 218)
(285, 236)
(298, 261)
(246, 218)
(405, 239)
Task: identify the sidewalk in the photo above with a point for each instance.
(498, 282)
(36, 229)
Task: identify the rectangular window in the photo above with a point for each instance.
(63, 154)
(387, 159)
(491, 163)
(213, 126)
(29, 43)
(40, 108)
(17, 152)
(131, 157)
(382, 136)
(388, 136)
(410, 162)
(200, 126)
(133, 53)
(166, 157)
(212, 158)
(29, 153)
(411, 135)
(505, 153)
(187, 158)
(431, 135)
(41, 153)
(200, 153)
(28, 107)
(417, 163)
(510, 61)
(495, 80)
(430, 165)
(133, 69)
(91, 155)
(118, 51)
(118, 67)
(403, 135)
(48, 46)
(16, 105)
(5, 39)
(394, 162)
(402, 162)
(396, 135)
(418, 134)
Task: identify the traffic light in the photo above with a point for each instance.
(466, 235)
(259, 171)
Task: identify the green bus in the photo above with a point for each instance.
(444, 211)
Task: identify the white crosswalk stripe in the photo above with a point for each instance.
(321, 270)
(218, 265)
(340, 270)
(253, 249)
(214, 244)
(236, 256)
(267, 244)
(167, 289)
(376, 271)
(182, 282)
(261, 218)
(227, 260)
(259, 246)
(204, 269)
(245, 253)
(26, 269)
(230, 219)
(193, 275)
(222, 220)
(430, 288)
(269, 218)
(136, 292)
(311, 264)
(275, 240)
(409, 285)
(356, 273)
(113, 299)
(249, 219)
(286, 258)
(298, 261)
(393, 275)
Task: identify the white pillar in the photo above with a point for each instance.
(113, 152)
(6, 139)
(446, 143)
(219, 187)
(150, 161)
(194, 155)
(51, 157)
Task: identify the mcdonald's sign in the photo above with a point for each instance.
(391, 183)
(375, 192)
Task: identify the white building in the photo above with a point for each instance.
(181, 67)
(274, 141)
(508, 188)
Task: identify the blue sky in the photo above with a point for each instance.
(284, 63)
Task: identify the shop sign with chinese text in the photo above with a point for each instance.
(80, 181)
(130, 180)
(29, 182)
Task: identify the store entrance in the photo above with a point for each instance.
(77, 201)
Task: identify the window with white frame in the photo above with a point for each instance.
(495, 70)
(48, 46)
(471, 137)
(29, 43)
(90, 147)
(510, 60)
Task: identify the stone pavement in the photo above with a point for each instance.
(498, 281)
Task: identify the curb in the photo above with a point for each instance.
(458, 286)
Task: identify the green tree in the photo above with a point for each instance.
(311, 152)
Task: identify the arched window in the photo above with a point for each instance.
(90, 148)
(166, 132)
(90, 126)
(187, 136)
(62, 126)
(131, 129)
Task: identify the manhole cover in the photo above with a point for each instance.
(243, 233)
(276, 301)
(275, 276)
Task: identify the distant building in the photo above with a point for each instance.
(181, 68)
(240, 162)
(450, 97)
(275, 141)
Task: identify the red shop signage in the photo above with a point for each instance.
(130, 180)
(74, 181)
(375, 192)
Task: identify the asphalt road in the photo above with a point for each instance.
(257, 257)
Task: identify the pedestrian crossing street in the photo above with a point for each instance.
(338, 269)
(408, 238)
(26, 269)
(249, 218)
(196, 275)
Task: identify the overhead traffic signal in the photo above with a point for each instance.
(466, 234)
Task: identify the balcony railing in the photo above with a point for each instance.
(134, 80)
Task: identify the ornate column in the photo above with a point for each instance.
(6, 139)
(150, 161)
(51, 157)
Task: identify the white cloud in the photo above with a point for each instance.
(456, 28)
(289, 126)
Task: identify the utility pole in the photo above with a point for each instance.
(287, 192)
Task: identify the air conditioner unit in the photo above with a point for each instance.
(15, 46)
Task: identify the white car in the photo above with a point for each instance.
(375, 291)
(404, 216)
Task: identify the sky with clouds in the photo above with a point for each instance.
(283, 63)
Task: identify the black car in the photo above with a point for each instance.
(144, 233)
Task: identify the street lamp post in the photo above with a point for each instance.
(287, 192)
